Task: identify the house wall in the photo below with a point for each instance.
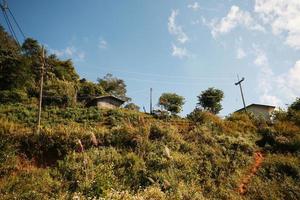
(260, 111)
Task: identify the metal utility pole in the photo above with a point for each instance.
(241, 89)
(150, 100)
(41, 89)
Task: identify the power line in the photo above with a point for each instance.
(168, 82)
(171, 76)
(16, 23)
(4, 8)
(5, 18)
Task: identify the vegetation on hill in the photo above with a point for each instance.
(89, 153)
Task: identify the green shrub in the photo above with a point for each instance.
(34, 184)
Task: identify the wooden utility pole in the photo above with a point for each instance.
(41, 89)
(150, 100)
(241, 89)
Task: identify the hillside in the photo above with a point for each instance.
(90, 153)
(132, 155)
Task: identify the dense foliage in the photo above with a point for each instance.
(131, 155)
(210, 100)
(171, 102)
(20, 74)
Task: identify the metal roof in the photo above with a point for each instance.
(255, 104)
(109, 96)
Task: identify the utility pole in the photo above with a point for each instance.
(150, 100)
(241, 89)
(41, 89)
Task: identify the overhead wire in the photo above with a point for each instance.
(4, 8)
(7, 23)
(171, 76)
(21, 31)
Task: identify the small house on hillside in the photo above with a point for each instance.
(109, 102)
(259, 110)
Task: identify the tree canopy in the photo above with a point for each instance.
(210, 100)
(171, 102)
(114, 86)
(20, 74)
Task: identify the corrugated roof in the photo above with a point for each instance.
(109, 96)
(255, 104)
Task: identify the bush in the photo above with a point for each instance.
(13, 96)
(34, 184)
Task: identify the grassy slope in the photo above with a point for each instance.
(139, 157)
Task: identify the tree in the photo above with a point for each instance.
(210, 100)
(114, 86)
(132, 106)
(295, 106)
(171, 102)
(7, 42)
(31, 47)
(88, 90)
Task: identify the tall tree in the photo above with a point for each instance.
(88, 90)
(210, 100)
(31, 47)
(114, 86)
(171, 102)
(7, 42)
(295, 106)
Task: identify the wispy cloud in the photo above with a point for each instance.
(289, 83)
(102, 44)
(265, 78)
(240, 53)
(195, 6)
(176, 29)
(69, 52)
(284, 18)
(276, 89)
(179, 52)
(261, 58)
(234, 18)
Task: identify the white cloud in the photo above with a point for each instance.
(179, 52)
(102, 43)
(261, 59)
(69, 52)
(240, 53)
(284, 18)
(289, 83)
(175, 29)
(270, 100)
(276, 89)
(195, 6)
(235, 17)
(265, 78)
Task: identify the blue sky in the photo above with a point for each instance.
(176, 46)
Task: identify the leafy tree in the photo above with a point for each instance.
(295, 106)
(7, 42)
(14, 71)
(114, 86)
(62, 70)
(171, 102)
(88, 90)
(59, 93)
(31, 47)
(132, 106)
(293, 113)
(210, 100)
